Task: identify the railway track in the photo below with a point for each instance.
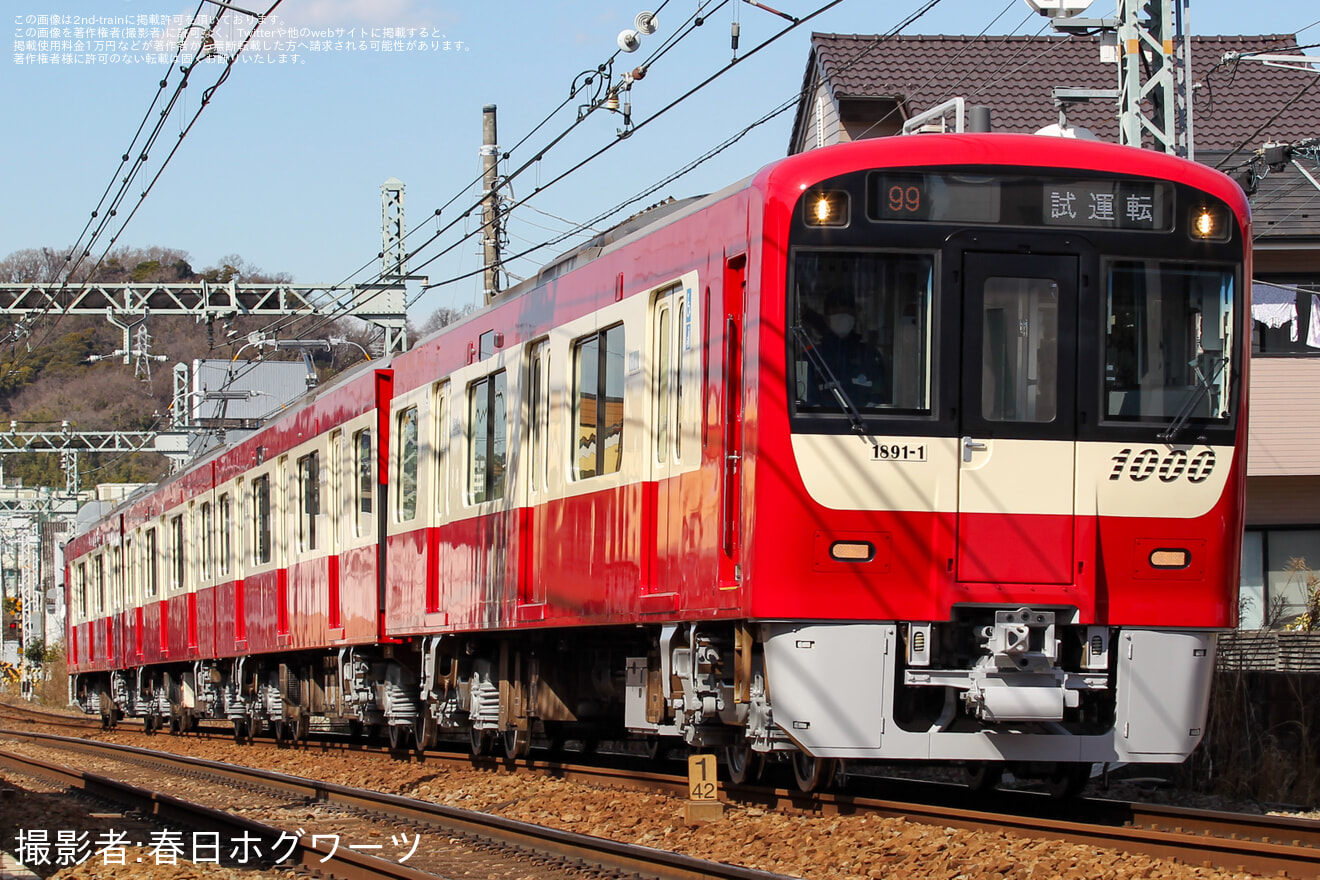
(325, 827)
(1263, 845)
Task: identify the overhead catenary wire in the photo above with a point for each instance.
(921, 11)
(780, 109)
(142, 156)
(525, 167)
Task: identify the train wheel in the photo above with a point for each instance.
(810, 772)
(397, 734)
(302, 728)
(281, 731)
(1068, 780)
(479, 741)
(240, 730)
(515, 743)
(424, 733)
(744, 764)
(176, 724)
(106, 723)
(984, 775)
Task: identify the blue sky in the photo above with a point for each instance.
(285, 165)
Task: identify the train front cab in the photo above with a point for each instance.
(1022, 528)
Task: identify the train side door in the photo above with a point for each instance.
(1017, 449)
(532, 590)
(731, 507)
(666, 561)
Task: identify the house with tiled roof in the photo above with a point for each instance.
(859, 86)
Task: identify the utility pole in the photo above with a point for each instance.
(490, 209)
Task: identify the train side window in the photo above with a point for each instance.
(365, 480)
(487, 437)
(225, 520)
(598, 403)
(98, 573)
(683, 320)
(152, 584)
(662, 383)
(309, 499)
(130, 573)
(334, 482)
(405, 506)
(117, 578)
(538, 414)
(82, 590)
(261, 545)
(207, 526)
(176, 553)
(441, 448)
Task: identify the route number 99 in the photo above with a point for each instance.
(904, 199)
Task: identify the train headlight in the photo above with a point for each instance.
(1209, 223)
(825, 208)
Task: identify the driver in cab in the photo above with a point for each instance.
(855, 363)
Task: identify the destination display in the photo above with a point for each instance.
(958, 197)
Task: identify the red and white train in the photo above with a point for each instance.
(926, 448)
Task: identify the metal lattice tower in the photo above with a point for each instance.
(1154, 64)
(1155, 70)
(393, 256)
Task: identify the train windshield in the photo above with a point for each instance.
(860, 324)
(1168, 342)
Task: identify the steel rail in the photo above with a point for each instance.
(1258, 843)
(611, 855)
(306, 854)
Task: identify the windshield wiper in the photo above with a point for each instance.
(1185, 414)
(833, 385)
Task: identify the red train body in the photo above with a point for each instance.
(633, 496)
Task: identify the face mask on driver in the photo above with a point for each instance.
(842, 323)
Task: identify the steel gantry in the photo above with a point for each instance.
(124, 304)
(69, 443)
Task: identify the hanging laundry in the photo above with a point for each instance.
(1313, 331)
(1274, 306)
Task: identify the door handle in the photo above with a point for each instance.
(969, 446)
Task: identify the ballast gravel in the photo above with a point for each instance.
(858, 847)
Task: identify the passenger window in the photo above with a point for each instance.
(225, 523)
(98, 568)
(487, 437)
(176, 553)
(153, 563)
(441, 448)
(598, 403)
(261, 544)
(661, 412)
(538, 414)
(309, 499)
(207, 527)
(365, 480)
(130, 573)
(406, 506)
